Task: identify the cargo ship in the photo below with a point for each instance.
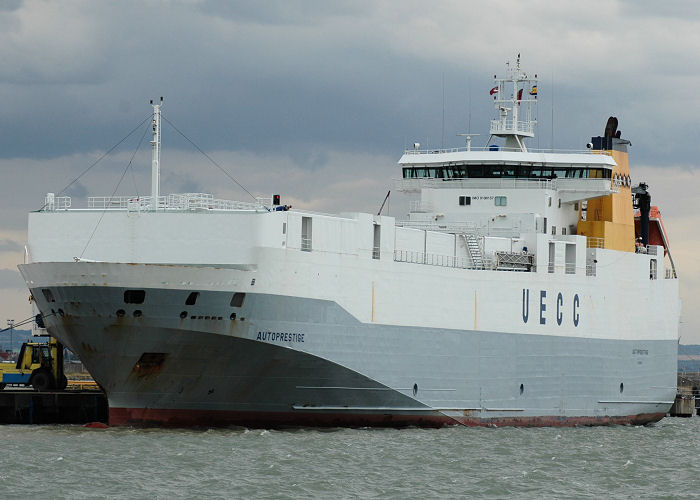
(517, 291)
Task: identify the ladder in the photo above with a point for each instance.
(474, 250)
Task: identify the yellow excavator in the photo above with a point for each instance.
(39, 364)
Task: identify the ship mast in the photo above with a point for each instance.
(155, 162)
(522, 99)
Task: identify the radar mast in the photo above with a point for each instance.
(514, 96)
(155, 162)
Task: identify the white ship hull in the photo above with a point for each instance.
(309, 360)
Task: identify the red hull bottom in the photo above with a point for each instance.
(149, 417)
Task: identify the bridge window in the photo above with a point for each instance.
(465, 200)
(480, 171)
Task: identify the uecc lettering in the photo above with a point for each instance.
(558, 305)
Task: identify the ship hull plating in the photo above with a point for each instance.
(288, 361)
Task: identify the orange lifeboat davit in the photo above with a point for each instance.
(657, 231)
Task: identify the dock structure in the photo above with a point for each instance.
(25, 406)
(687, 401)
(684, 406)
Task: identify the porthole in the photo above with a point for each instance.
(138, 313)
(60, 312)
(622, 387)
(237, 299)
(183, 314)
(192, 299)
(233, 316)
(134, 296)
(121, 313)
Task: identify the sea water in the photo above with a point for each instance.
(64, 461)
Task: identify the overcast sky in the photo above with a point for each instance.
(317, 99)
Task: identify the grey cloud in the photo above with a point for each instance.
(682, 9)
(10, 5)
(76, 190)
(229, 85)
(182, 183)
(9, 246)
(284, 12)
(11, 279)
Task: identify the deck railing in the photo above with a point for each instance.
(431, 259)
(172, 202)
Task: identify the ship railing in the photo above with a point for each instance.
(185, 201)
(500, 126)
(646, 249)
(592, 242)
(468, 227)
(122, 202)
(206, 201)
(53, 203)
(489, 148)
(431, 259)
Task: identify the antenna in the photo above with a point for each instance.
(443, 110)
(155, 161)
(552, 126)
(469, 115)
(469, 139)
